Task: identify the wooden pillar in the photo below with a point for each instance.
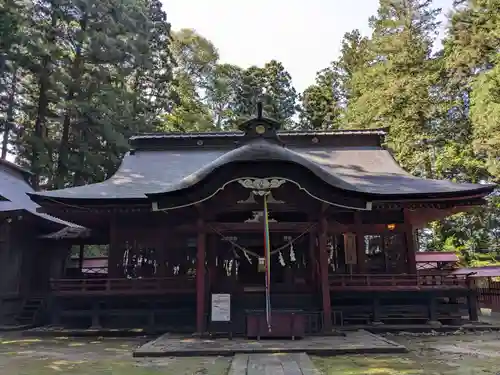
(161, 249)
(212, 254)
(200, 276)
(432, 310)
(96, 321)
(312, 259)
(410, 244)
(114, 256)
(472, 300)
(325, 285)
(376, 310)
(360, 243)
(80, 257)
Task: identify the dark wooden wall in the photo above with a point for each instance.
(26, 265)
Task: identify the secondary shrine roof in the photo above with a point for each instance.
(351, 160)
(436, 256)
(485, 271)
(14, 186)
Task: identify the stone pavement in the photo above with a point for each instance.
(272, 364)
(355, 342)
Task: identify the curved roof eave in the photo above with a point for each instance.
(261, 150)
(258, 150)
(368, 171)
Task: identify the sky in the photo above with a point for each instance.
(304, 35)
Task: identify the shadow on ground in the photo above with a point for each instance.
(101, 356)
(467, 354)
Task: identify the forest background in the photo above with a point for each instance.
(79, 77)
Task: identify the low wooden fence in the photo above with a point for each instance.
(123, 286)
(395, 282)
(488, 292)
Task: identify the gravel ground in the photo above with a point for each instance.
(68, 356)
(457, 354)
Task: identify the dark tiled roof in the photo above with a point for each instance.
(370, 170)
(14, 188)
(282, 133)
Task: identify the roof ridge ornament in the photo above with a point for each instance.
(260, 126)
(259, 110)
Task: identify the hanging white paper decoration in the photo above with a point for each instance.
(247, 257)
(281, 260)
(292, 253)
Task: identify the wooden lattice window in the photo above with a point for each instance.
(385, 252)
(4, 232)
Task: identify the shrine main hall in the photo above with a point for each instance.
(183, 215)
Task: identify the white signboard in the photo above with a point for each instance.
(221, 307)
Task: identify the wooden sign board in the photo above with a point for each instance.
(350, 248)
(221, 307)
(261, 265)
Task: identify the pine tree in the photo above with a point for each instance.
(271, 85)
(467, 120)
(322, 102)
(394, 85)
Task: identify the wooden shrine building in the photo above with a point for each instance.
(184, 215)
(26, 259)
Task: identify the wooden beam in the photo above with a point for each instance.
(325, 287)
(248, 227)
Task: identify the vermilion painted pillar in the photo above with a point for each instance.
(410, 243)
(115, 251)
(360, 243)
(312, 259)
(325, 285)
(200, 277)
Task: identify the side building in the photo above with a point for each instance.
(27, 261)
(184, 216)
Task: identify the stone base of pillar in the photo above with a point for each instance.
(434, 323)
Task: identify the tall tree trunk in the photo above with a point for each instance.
(79, 175)
(10, 114)
(3, 64)
(42, 109)
(74, 84)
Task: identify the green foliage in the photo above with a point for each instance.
(216, 96)
(321, 103)
(391, 85)
(88, 75)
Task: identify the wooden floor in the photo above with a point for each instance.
(351, 343)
